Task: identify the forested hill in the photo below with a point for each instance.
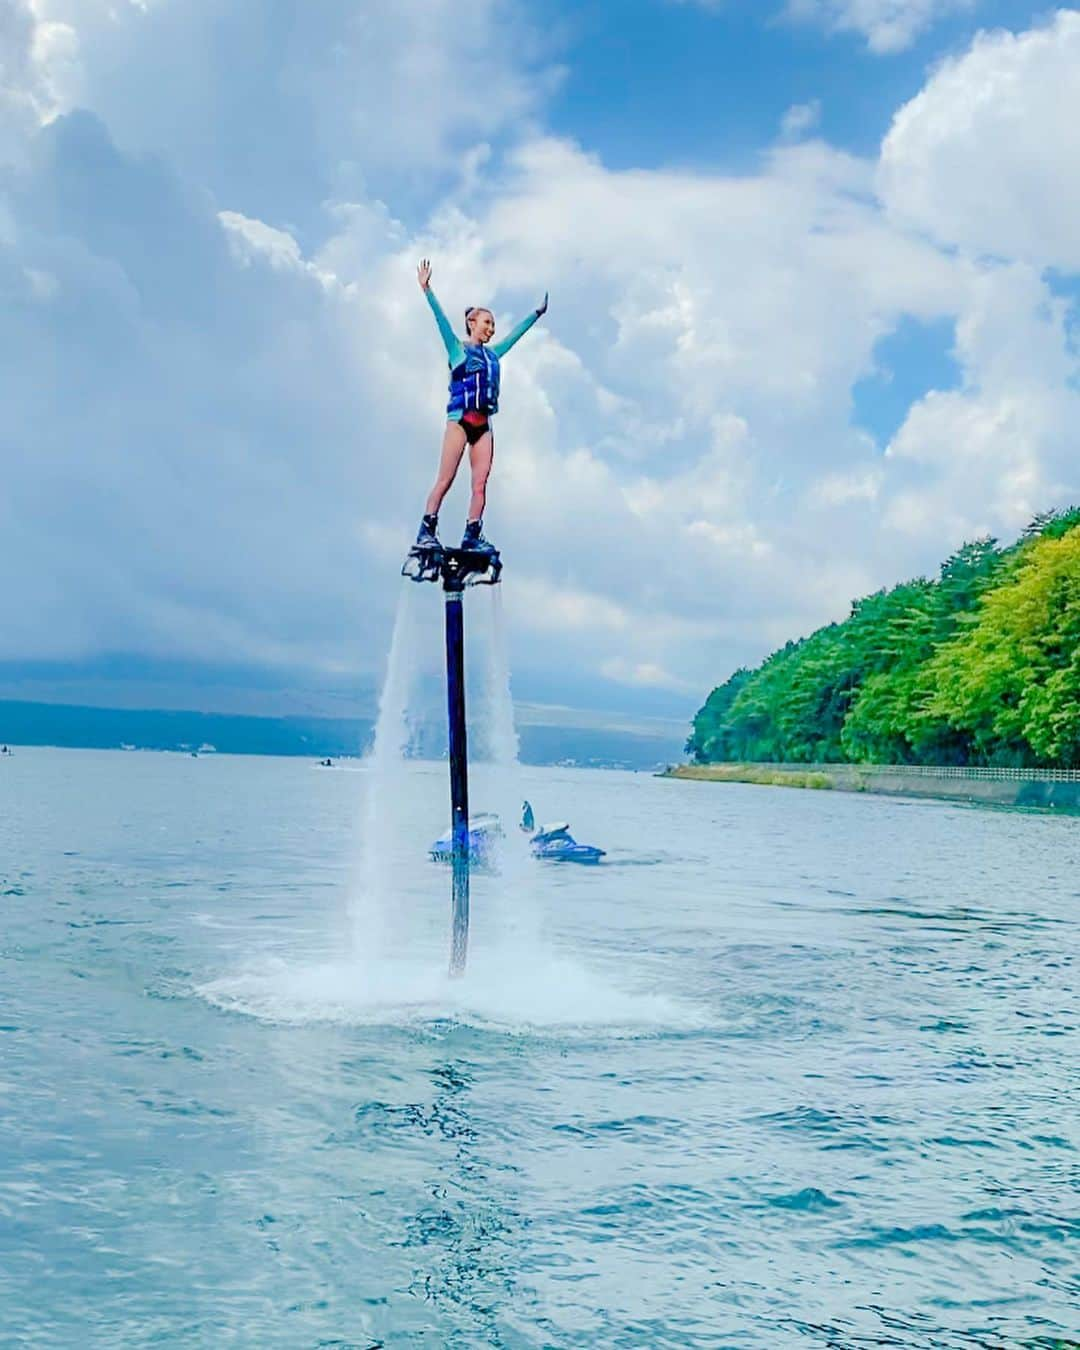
(980, 666)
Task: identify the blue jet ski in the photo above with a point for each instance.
(484, 829)
(552, 843)
(555, 843)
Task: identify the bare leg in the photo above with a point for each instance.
(480, 458)
(453, 446)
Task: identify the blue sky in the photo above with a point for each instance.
(813, 267)
(693, 84)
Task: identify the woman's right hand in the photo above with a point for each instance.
(423, 274)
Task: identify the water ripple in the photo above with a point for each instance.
(803, 1074)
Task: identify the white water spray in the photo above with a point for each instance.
(500, 738)
(389, 835)
(401, 902)
(511, 919)
(396, 970)
(393, 732)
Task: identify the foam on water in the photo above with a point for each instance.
(516, 993)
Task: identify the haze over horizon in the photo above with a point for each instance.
(814, 279)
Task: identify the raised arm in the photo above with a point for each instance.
(501, 348)
(455, 353)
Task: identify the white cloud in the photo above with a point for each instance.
(982, 160)
(800, 119)
(990, 455)
(645, 674)
(985, 156)
(887, 25)
(26, 96)
(253, 239)
(837, 489)
(277, 112)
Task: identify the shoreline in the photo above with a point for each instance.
(980, 786)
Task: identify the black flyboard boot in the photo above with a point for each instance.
(474, 541)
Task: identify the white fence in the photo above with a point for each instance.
(939, 771)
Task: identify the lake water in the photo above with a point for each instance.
(790, 1069)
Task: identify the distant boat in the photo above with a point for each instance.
(207, 749)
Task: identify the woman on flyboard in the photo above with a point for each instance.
(474, 400)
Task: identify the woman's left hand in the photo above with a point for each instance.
(543, 305)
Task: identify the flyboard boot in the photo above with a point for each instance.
(425, 557)
(473, 541)
(426, 536)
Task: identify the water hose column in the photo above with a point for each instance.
(459, 772)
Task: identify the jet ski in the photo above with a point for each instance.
(552, 843)
(484, 829)
(555, 843)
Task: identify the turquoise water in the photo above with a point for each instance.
(793, 1069)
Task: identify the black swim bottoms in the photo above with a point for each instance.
(474, 430)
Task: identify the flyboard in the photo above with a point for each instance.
(456, 568)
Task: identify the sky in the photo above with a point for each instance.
(814, 270)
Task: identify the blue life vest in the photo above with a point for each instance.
(474, 382)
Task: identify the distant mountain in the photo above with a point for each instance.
(74, 726)
(110, 728)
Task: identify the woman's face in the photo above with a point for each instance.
(481, 325)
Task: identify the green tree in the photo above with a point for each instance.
(1011, 680)
(711, 737)
(929, 671)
